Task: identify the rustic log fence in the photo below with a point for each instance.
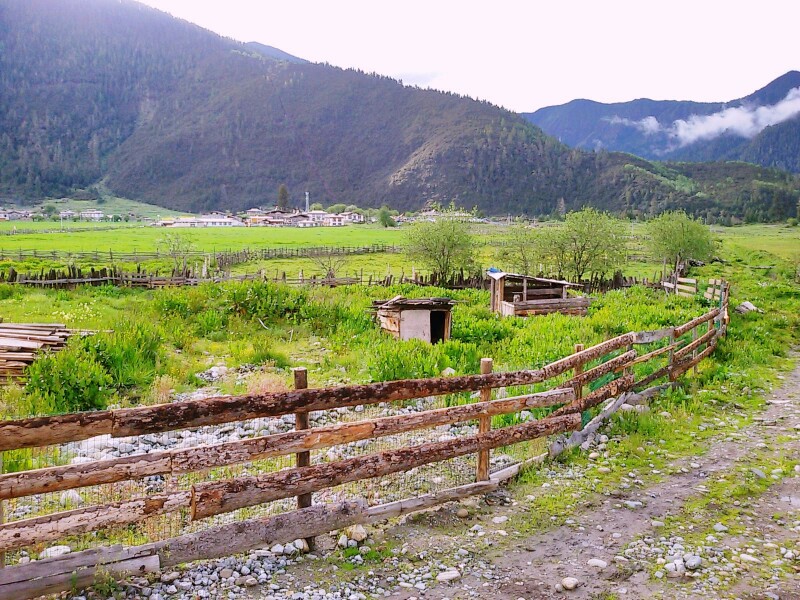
(223, 259)
(574, 383)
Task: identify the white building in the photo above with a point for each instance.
(353, 217)
(201, 221)
(92, 214)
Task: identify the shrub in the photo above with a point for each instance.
(68, 381)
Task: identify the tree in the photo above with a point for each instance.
(283, 196)
(674, 236)
(330, 263)
(444, 246)
(49, 210)
(336, 208)
(522, 252)
(385, 218)
(589, 242)
(177, 246)
(316, 206)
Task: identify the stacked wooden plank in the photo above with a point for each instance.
(20, 343)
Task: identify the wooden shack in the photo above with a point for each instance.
(426, 319)
(523, 295)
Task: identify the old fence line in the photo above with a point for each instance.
(213, 497)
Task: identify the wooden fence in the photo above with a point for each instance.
(581, 381)
(224, 259)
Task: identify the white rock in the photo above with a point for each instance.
(357, 533)
(277, 549)
(570, 583)
(54, 551)
(448, 372)
(70, 498)
(499, 520)
(596, 562)
(719, 528)
(342, 543)
(449, 575)
(749, 558)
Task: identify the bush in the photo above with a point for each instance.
(129, 354)
(68, 381)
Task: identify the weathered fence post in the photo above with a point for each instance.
(302, 459)
(578, 371)
(484, 424)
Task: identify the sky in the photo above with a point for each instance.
(527, 54)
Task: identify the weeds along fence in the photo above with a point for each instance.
(139, 489)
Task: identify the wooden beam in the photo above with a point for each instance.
(36, 530)
(691, 347)
(610, 366)
(484, 424)
(681, 329)
(218, 497)
(186, 460)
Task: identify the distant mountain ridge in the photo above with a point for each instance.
(159, 110)
(763, 127)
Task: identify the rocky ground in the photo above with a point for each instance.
(721, 524)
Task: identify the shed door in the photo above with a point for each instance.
(415, 324)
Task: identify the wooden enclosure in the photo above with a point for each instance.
(515, 295)
(670, 352)
(426, 319)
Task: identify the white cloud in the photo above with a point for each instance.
(648, 125)
(744, 121)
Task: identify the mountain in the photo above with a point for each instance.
(113, 95)
(760, 128)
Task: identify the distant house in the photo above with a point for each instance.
(13, 214)
(317, 216)
(333, 221)
(3, 215)
(92, 214)
(253, 212)
(353, 217)
(67, 214)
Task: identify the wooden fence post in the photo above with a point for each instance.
(484, 424)
(578, 371)
(302, 459)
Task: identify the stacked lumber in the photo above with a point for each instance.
(20, 343)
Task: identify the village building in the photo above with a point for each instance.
(92, 214)
(209, 220)
(333, 221)
(353, 217)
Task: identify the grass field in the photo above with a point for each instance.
(763, 243)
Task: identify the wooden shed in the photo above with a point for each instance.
(523, 295)
(427, 319)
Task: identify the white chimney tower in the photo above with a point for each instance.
(307, 197)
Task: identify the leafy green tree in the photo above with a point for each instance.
(283, 196)
(385, 218)
(444, 246)
(336, 208)
(522, 251)
(589, 243)
(316, 206)
(351, 208)
(674, 236)
(49, 210)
